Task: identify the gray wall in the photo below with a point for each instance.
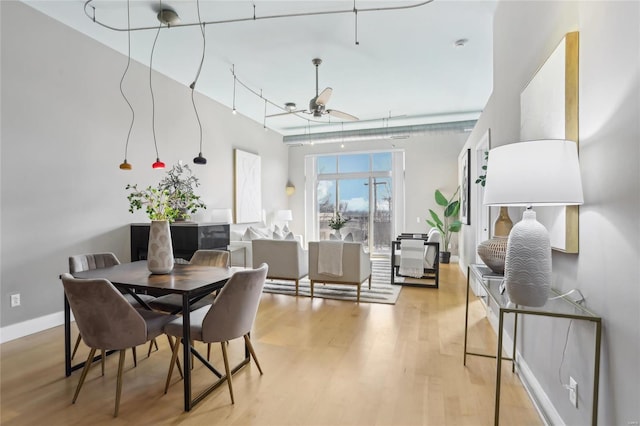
(606, 269)
(64, 126)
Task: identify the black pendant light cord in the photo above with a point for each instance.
(193, 85)
(153, 103)
(133, 114)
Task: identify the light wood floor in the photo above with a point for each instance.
(325, 363)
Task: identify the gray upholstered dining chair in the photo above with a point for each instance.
(231, 316)
(173, 302)
(107, 321)
(90, 261)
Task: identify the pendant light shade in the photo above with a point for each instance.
(200, 159)
(125, 165)
(158, 164)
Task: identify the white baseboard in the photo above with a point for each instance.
(25, 328)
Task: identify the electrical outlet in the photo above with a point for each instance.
(573, 391)
(15, 300)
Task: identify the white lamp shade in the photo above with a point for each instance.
(534, 173)
(284, 215)
(221, 216)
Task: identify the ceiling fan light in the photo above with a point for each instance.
(158, 164)
(200, 159)
(168, 17)
(125, 165)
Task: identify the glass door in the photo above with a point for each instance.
(359, 187)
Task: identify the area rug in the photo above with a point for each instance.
(381, 289)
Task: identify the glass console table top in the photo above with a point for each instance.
(557, 304)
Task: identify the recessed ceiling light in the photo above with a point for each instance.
(461, 42)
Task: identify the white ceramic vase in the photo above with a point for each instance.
(527, 270)
(160, 251)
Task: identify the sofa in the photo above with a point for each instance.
(240, 241)
(287, 259)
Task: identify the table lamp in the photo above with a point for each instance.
(532, 173)
(284, 216)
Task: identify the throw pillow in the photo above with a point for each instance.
(277, 235)
(247, 235)
(290, 236)
(349, 237)
(285, 229)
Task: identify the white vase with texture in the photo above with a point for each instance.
(160, 251)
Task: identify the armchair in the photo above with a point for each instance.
(287, 259)
(430, 262)
(356, 267)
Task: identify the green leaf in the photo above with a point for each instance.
(452, 209)
(455, 226)
(436, 218)
(440, 199)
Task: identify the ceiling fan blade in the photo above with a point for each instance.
(324, 96)
(342, 115)
(282, 113)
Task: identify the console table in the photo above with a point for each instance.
(186, 238)
(556, 307)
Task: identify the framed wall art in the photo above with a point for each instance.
(465, 187)
(549, 110)
(248, 194)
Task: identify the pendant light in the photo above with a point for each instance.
(125, 165)
(199, 159)
(233, 71)
(158, 164)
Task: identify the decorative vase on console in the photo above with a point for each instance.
(494, 250)
(160, 252)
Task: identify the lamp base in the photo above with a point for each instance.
(527, 269)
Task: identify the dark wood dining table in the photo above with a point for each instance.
(192, 282)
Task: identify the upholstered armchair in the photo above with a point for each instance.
(355, 265)
(287, 259)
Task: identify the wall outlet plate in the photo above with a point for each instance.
(15, 300)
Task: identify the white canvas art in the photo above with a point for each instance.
(547, 107)
(248, 194)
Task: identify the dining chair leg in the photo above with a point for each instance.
(358, 296)
(312, 283)
(152, 343)
(247, 341)
(103, 359)
(174, 359)
(135, 357)
(369, 282)
(226, 368)
(208, 351)
(177, 360)
(119, 381)
(85, 370)
(75, 347)
(297, 285)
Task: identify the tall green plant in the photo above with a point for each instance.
(449, 223)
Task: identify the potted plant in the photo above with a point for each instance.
(448, 224)
(179, 184)
(337, 222)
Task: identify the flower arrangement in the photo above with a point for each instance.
(173, 199)
(338, 221)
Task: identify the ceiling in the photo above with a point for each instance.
(405, 69)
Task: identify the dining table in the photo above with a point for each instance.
(192, 282)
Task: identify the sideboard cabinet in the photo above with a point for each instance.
(187, 237)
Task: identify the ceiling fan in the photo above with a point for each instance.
(317, 104)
